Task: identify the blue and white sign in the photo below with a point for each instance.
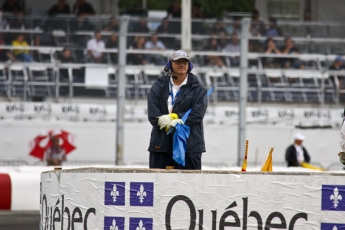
(114, 223)
(333, 198)
(140, 223)
(141, 194)
(332, 226)
(114, 193)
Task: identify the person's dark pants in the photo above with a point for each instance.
(160, 160)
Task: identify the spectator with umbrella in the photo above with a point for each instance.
(169, 99)
(55, 155)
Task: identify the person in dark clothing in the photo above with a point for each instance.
(11, 6)
(174, 10)
(170, 97)
(61, 7)
(112, 43)
(82, 7)
(296, 154)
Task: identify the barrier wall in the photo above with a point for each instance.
(140, 199)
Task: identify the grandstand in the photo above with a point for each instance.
(303, 78)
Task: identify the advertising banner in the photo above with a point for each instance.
(156, 199)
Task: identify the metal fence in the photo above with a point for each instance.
(288, 61)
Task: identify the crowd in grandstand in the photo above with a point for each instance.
(222, 37)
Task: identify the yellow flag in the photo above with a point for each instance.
(267, 165)
(309, 166)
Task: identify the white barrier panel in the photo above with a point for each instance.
(304, 117)
(135, 199)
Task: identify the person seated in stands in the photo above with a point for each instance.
(137, 58)
(66, 56)
(11, 6)
(21, 53)
(55, 155)
(3, 52)
(218, 28)
(94, 47)
(234, 47)
(174, 10)
(140, 26)
(82, 24)
(213, 60)
(271, 48)
(61, 7)
(155, 44)
(273, 30)
(82, 7)
(19, 21)
(289, 48)
(257, 26)
(337, 65)
(112, 43)
(165, 29)
(112, 25)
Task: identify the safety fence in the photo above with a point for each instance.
(287, 61)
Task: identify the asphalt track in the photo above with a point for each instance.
(19, 220)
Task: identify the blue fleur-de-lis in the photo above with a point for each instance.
(113, 225)
(141, 226)
(114, 193)
(141, 193)
(336, 197)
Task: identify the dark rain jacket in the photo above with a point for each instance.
(291, 156)
(192, 95)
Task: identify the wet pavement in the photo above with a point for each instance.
(19, 220)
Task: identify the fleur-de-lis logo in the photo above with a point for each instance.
(141, 193)
(113, 225)
(141, 225)
(114, 193)
(336, 197)
(335, 228)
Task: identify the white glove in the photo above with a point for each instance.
(173, 123)
(164, 120)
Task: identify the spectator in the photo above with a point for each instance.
(273, 30)
(338, 64)
(140, 26)
(3, 52)
(289, 48)
(61, 7)
(174, 10)
(271, 48)
(22, 52)
(94, 48)
(137, 58)
(196, 10)
(3, 21)
(112, 43)
(213, 60)
(218, 28)
(257, 27)
(112, 25)
(82, 7)
(296, 154)
(234, 47)
(155, 44)
(55, 155)
(165, 28)
(81, 24)
(11, 6)
(66, 56)
(19, 21)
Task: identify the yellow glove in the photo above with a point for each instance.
(164, 120)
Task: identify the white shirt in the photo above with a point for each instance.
(95, 46)
(175, 89)
(300, 155)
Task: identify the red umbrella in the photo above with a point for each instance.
(43, 141)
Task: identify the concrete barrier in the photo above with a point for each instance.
(104, 198)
